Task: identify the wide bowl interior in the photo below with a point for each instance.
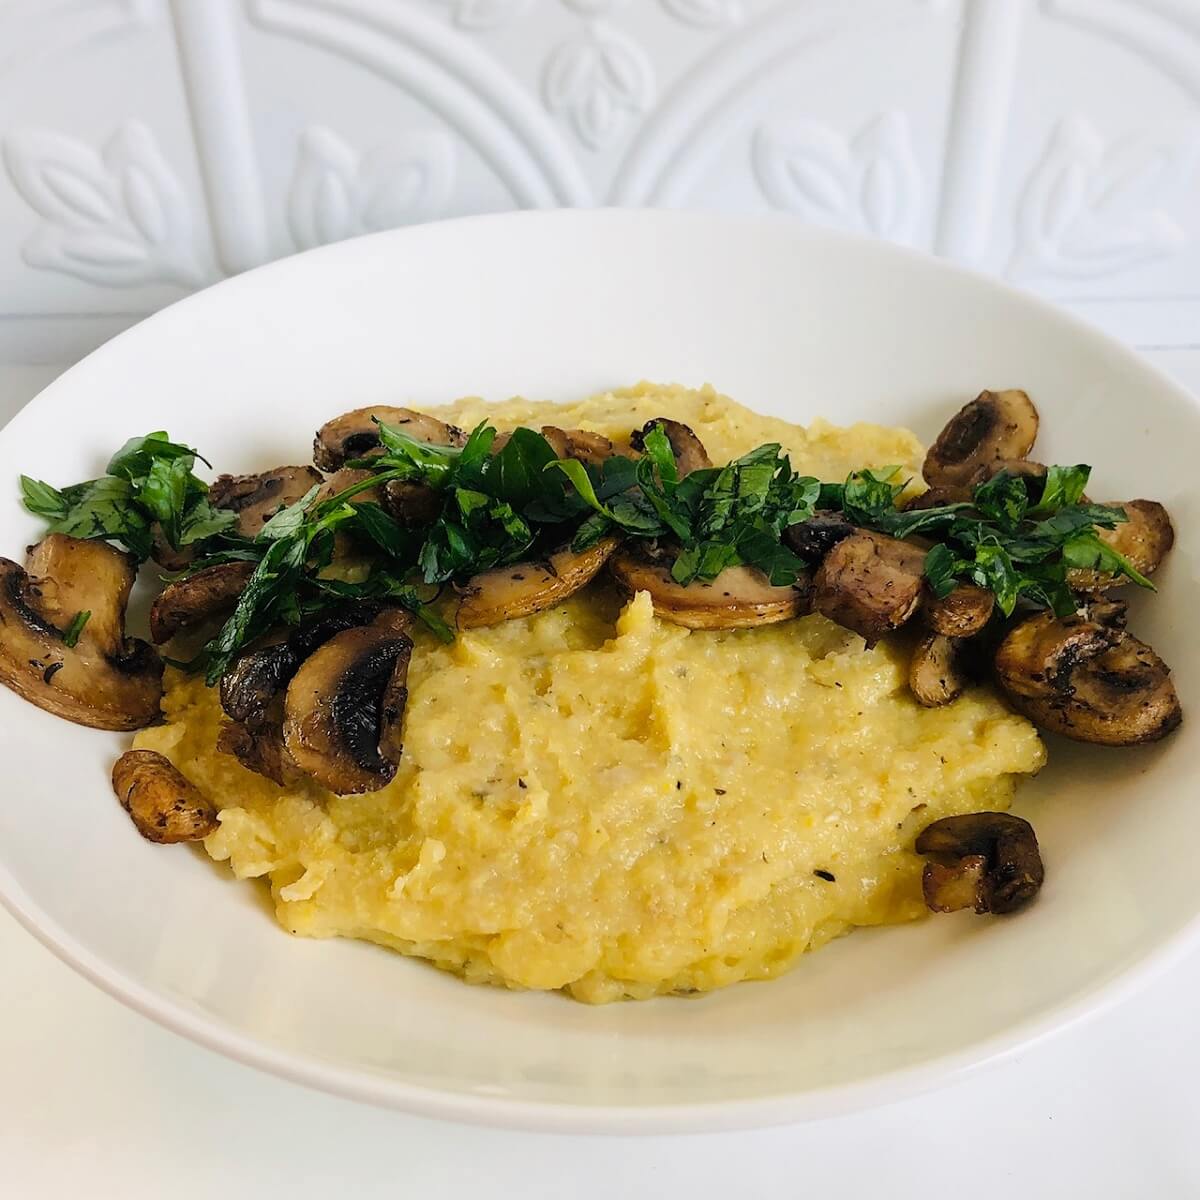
(555, 306)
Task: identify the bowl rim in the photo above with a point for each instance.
(548, 1117)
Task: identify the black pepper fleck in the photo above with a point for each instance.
(828, 876)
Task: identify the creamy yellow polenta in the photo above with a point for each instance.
(595, 800)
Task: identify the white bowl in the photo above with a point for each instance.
(559, 305)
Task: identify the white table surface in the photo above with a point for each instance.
(96, 1102)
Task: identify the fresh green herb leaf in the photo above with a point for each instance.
(72, 631)
(1003, 499)
(43, 500)
(1090, 552)
(288, 521)
(1064, 486)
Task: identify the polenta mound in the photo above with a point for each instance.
(595, 800)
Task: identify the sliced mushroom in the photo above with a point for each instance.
(344, 479)
(987, 859)
(961, 614)
(165, 806)
(937, 496)
(739, 598)
(255, 679)
(992, 427)
(260, 748)
(208, 593)
(252, 691)
(813, 539)
(870, 583)
(1032, 471)
(413, 504)
(170, 558)
(356, 434)
(688, 449)
(938, 672)
(257, 498)
(1145, 539)
(592, 448)
(1087, 678)
(106, 680)
(343, 706)
(522, 589)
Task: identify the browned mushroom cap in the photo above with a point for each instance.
(208, 593)
(993, 426)
(937, 496)
(344, 479)
(343, 706)
(995, 852)
(961, 614)
(739, 597)
(414, 505)
(106, 680)
(814, 538)
(689, 451)
(522, 589)
(252, 691)
(938, 671)
(1035, 471)
(257, 498)
(164, 805)
(356, 434)
(1087, 678)
(870, 583)
(588, 447)
(1145, 539)
(260, 748)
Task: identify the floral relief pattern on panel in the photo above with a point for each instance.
(118, 216)
(1090, 209)
(870, 182)
(338, 193)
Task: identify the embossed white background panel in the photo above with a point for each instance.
(152, 146)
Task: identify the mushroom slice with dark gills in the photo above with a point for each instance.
(870, 583)
(992, 427)
(524, 588)
(163, 804)
(344, 706)
(988, 860)
(813, 539)
(1145, 539)
(103, 679)
(1087, 678)
(208, 593)
(689, 451)
(356, 434)
(738, 598)
(257, 498)
(252, 692)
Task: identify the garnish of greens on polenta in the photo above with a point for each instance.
(330, 605)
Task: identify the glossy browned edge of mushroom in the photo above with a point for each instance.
(524, 588)
(739, 598)
(1145, 539)
(258, 497)
(994, 426)
(210, 592)
(106, 680)
(870, 583)
(686, 446)
(1087, 679)
(989, 860)
(355, 434)
(163, 804)
(343, 707)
